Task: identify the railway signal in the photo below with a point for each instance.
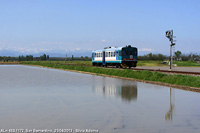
(169, 35)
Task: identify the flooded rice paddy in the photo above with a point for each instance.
(42, 98)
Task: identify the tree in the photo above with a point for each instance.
(47, 57)
(161, 57)
(150, 55)
(43, 57)
(72, 57)
(178, 54)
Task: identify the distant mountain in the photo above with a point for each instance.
(62, 53)
(9, 53)
(77, 53)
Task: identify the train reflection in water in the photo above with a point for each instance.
(111, 87)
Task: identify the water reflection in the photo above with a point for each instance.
(169, 114)
(111, 87)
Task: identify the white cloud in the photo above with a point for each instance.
(4, 43)
(77, 49)
(146, 50)
(32, 50)
(104, 41)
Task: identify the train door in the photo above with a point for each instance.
(103, 58)
(116, 54)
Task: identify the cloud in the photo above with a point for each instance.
(104, 41)
(32, 50)
(146, 50)
(4, 43)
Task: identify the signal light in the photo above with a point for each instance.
(168, 34)
(173, 44)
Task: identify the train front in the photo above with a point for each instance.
(129, 56)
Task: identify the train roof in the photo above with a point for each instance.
(110, 49)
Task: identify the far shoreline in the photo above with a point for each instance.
(10, 63)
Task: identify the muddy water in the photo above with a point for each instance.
(41, 98)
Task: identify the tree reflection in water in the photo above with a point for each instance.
(128, 93)
(110, 87)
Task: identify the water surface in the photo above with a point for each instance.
(41, 98)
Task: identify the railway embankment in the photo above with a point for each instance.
(186, 82)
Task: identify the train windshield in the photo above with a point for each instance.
(134, 52)
(125, 52)
(129, 51)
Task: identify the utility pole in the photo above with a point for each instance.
(169, 35)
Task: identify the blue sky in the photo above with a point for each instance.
(79, 26)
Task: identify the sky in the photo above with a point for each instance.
(80, 26)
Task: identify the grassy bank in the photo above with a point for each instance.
(184, 80)
(9, 63)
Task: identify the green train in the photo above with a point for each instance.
(115, 56)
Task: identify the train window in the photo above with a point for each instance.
(131, 52)
(120, 53)
(108, 54)
(124, 52)
(113, 54)
(127, 52)
(116, 53)
(135, 53)
(95, 54)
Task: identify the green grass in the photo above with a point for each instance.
(85, 63)
(160, 63)
(184, 80)
(140, 63)
(150, 63)
(187, 63)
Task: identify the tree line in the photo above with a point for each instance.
(177, 56)
(43, 57)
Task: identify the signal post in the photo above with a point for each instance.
(169, 35)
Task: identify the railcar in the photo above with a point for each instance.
(115, 56)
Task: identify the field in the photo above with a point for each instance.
(151, 63)
(160, 63)
(140, 63)
(187, 63)
(183, 80)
